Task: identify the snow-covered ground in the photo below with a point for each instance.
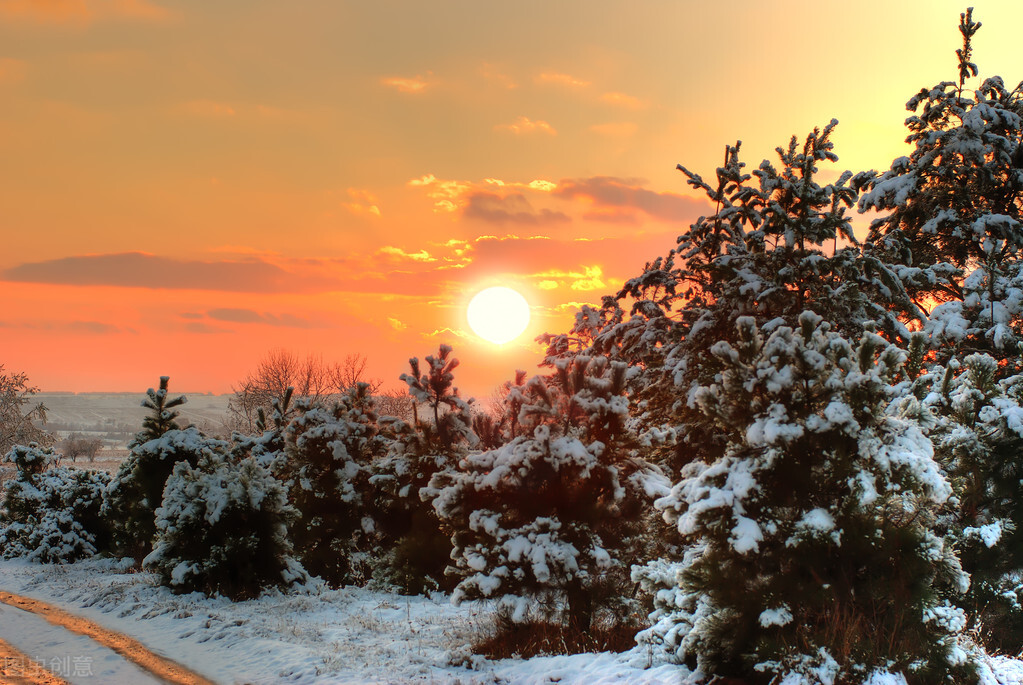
(350, 635)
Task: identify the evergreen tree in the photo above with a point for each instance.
(417, 549)
(51, 514)
(952, 212)
(268, 447)
(161, 417)
(222, 528)
(132, 497)
(549, 523)
(328, 453)
(977, 425)
(810, 524)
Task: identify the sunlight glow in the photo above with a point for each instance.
(498, 314)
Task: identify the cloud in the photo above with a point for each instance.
(233, 315)
(80, 12)
(446, 333)
(415, 85)
(587, 279)
(612, 196)
(561, 80)
(140, 270)
(509, 209)
(446, 193)
(421, 256)
(96, 327)
(524, 125)
(623, 100)
(362, 202)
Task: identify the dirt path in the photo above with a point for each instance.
(18, 669)
(129, 648)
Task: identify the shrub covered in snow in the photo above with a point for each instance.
(328, 452)
(51, 515)
(131, 499)
(223, 528)
(549, 523)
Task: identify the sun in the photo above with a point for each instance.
(498, 314)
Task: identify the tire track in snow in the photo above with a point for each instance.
(17, 668)
(128, 647)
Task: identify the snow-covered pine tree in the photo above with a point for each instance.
(131, 498)
(223, 528)
(328, 453)
(51, 514)
(976, 422)
(549, 523)
(952, 222)
(267, 447)
(951, 212)
(416, 549)
(161, 416)
(810, 522)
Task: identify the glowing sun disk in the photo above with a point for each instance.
(498, 314)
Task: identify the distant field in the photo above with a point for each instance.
(116, 417)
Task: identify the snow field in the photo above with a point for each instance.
(345, 636)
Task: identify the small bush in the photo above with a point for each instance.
(51, 516)
(136, 491)
(223, 529)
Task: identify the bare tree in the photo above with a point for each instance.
(18, 416)
(78, 445)
(396, 403)
(281, 369)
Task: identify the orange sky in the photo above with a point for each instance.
(186, 185)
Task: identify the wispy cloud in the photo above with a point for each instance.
(446, 193)
(249, 316)
(95, 327)
(421, 256)
(140, 270)
(362, 202)
(560, 79)
(608, 192)
(509, 209)
(414, 85)
(623, 100)
(524, 125)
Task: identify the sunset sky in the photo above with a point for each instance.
(186, 185)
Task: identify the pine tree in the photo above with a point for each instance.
(132, 497)
(810, 524)
(549, 523)
(161, 417)
(952, 212)
(326, 469)
(268, 447)
(51, 514)
(417, 550)
(222, 528)
(977, 425)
